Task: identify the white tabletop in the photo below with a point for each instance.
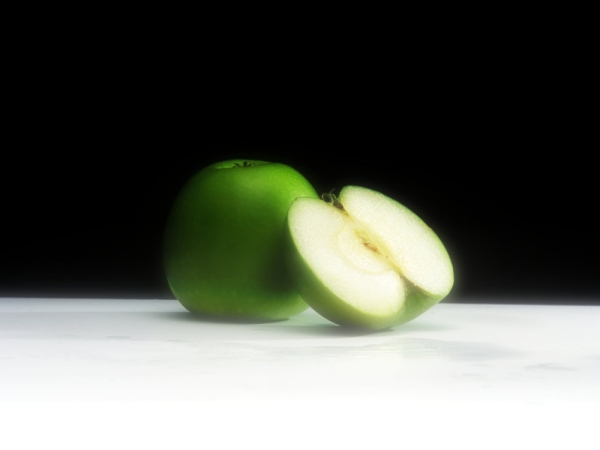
(127, 372)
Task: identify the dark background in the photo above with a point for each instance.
(519, 223)
(489, 140)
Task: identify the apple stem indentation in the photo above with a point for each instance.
(244, 164)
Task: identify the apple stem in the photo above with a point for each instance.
(330, 198)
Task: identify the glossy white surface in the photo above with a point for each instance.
(146, 372)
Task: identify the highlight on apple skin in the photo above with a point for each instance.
(224, 242)
(365, 260)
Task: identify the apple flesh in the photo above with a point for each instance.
(365, 260)
(224, 242)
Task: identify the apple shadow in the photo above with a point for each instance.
(320, 330)
(416, 326)
(194, 317)
(304, 329)
(332, 329)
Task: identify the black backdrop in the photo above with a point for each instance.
(84, 218)
(484, 131)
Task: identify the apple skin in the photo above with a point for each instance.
(224, 242)
(320, 297)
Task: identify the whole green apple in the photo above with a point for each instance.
(224, 242)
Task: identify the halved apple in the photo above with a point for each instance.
(365, 260)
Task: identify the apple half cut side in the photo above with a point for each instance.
(363, 259)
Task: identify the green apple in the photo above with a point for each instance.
(224, 242)
(365, 260)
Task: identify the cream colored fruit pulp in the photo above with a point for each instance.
(413, 248)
